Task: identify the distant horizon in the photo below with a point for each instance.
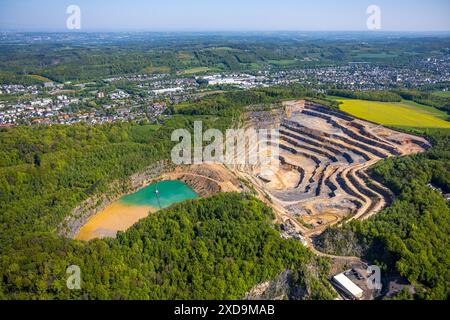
(232, 16)
(378, 32)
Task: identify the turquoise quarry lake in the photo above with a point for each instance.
(125, 212)
(170, 192)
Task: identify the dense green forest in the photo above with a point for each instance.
(412, 236)
(216, 248)
(229, 102)
(384, 96)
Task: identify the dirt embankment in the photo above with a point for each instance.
(206, 179)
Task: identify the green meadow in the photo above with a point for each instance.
(283, 63)
(194, 70)
(442, 94)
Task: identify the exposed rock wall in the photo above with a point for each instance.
(201, 185)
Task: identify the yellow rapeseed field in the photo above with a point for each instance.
(402, 114)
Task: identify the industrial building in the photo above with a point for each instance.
(343, 283)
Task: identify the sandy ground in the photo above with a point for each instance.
(115, 217)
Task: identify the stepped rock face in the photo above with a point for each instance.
(206, 179)
(324, 154)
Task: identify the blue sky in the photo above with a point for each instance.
(230, 15)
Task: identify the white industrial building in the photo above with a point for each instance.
(347, 286)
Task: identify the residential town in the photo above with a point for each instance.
(145, 97)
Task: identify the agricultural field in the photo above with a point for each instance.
(442, 94)
(399, 114)
(39, 78)
(155, 70)
(283, 63)
(194, 70)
